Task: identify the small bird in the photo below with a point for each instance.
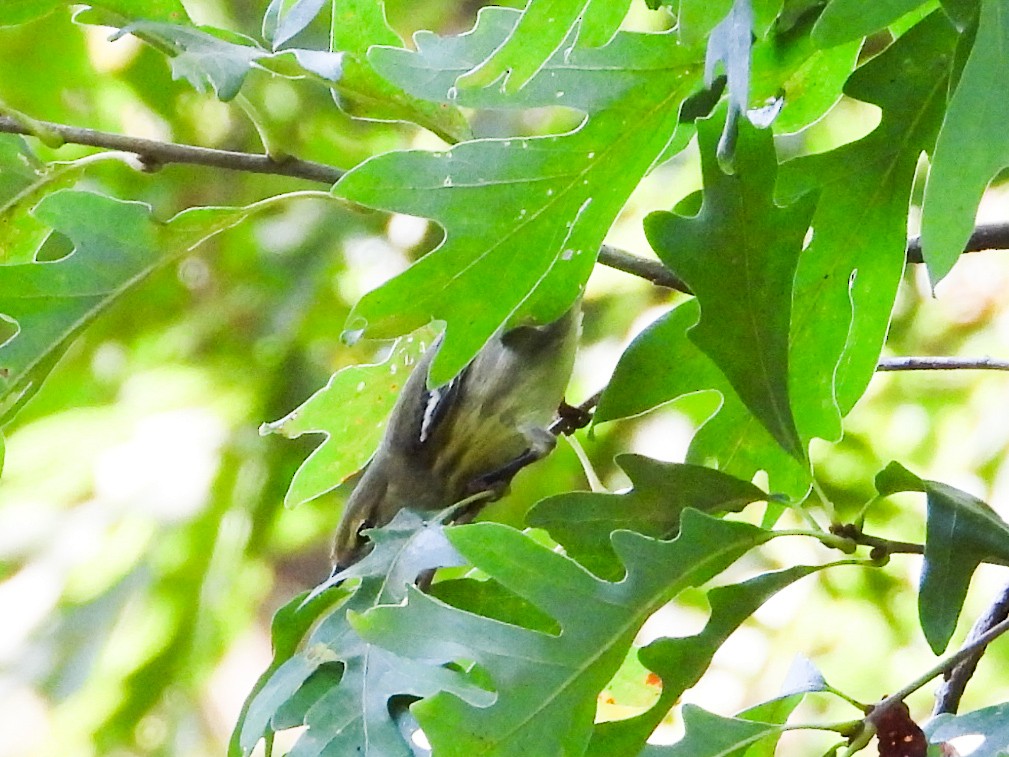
(470, 435)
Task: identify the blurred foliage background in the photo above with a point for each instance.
(143, 541)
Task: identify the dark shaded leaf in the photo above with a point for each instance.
(739, 255)
(961, 533)
(972, 146)
(581, 522)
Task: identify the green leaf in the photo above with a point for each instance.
(662, 364)
(961, 532)
(896, 478)
(846, 20)
(353, 715)
(807, 79)
(709, 735)
(357, 26)
(581, 522)
(856, 258)
(774, 711)
(738, 256)
(24, 234)
(281, 23)
(19, 167)
(546, 684)
(680, 662)
(524, 218)
(168, 11)
(13, 12)
(539, 35)
(352, 411)
(972, 146)
(117, 244)
(992, 723)
(287, 671)
(202, 57)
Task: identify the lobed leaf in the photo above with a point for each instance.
(546, 684)
(352, 715)
(581, 522)
(710, 735)
(991, 723)
(961, 533)
(738, 255)
(972, 147)
(846, 20)
(680, 662)
(116, 245)
(539, 34)
(661, 364)
(352, 410)
(847, 278)
(524, 218)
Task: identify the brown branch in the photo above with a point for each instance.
(651, 270)
(154, 153)
(989, 237)
(947, 696)
(942, 364)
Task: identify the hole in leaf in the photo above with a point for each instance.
(8, 329)
(56, 247)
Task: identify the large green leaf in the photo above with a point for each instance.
(846, 20)
(581, 522)
(661, 364)
(961, 533)
(710, 735)
(116, 245)
(680, 662)
(352, 411)
(539, 34)
(854, 263)
(990, 722)
(972, 146)
(352, 715)
(357, 26)
(547, 684)
(523, 217)
(739, 256)
(807, 80)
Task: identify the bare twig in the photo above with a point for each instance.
(652, 270)
(970, 648)
(154, 153)
(989, 237)
(942, 364)
(947, 696)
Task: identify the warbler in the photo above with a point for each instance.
(472, 434)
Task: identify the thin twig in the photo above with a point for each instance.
(880, 547)
(947, 696)
(154, 153)
(965, 652)
(989, 237)
(942, 364)
(652, 270)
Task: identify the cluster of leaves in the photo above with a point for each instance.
(787, 330)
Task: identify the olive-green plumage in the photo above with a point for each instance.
(444, 444)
